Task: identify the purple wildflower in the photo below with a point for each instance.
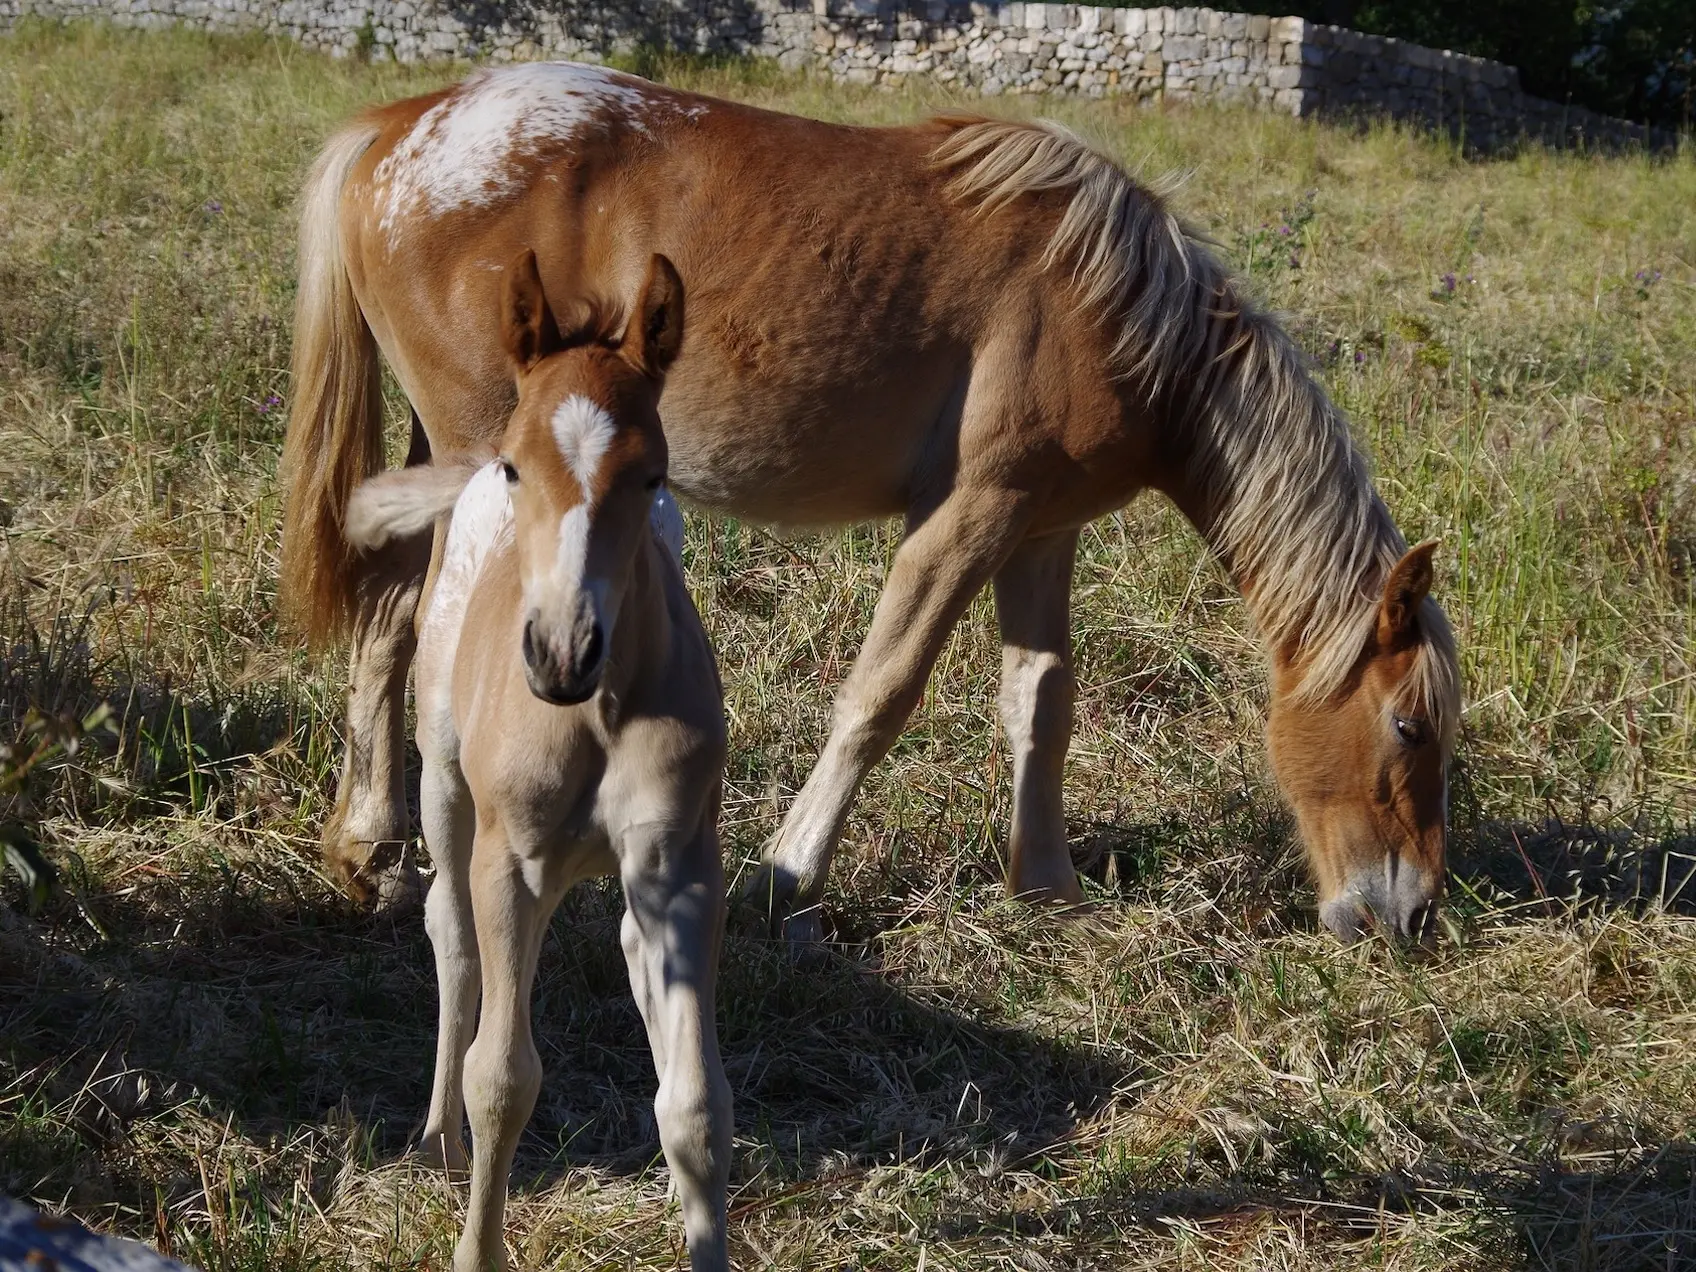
(1448, 281)
(213, 206)
(272, 402)
(1285, 230)
(1359, 357)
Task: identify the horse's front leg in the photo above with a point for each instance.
(448, 819)
(1032, 604)
(673, 920)
(943, 562)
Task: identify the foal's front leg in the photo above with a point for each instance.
(447, 813)
(512, 896)
(673, 922)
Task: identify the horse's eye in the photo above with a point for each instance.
(654, 483)
(509, 472)
(1411, 732)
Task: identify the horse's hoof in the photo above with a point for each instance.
(399, 890)
(771, 897)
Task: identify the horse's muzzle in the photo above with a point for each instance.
(1404, 908)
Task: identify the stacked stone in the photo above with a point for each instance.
(1182, 54)
(1167, 54)
(1346, 72)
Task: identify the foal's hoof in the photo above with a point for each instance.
(380, 876)
(441, 1155)
(804, 933)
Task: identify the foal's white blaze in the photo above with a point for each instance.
(583, 431)
(460, 152)
(571, 560)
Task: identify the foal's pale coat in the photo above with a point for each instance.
(981, 326)
(570, 722)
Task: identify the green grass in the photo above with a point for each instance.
(203, 1045)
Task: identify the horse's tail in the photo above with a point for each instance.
(335, 431)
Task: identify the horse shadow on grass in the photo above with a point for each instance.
(1531, 870)
(1635, 1213)
(286, 1017)
(194, 966)
(1505, 871)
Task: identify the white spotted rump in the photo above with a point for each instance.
(461, 152)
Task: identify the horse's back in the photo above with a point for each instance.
(837, 295)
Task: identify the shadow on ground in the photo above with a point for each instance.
(1633, 1214)
(286, 1015)
(1547, 869)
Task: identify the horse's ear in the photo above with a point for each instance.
(1408, 584)
(655, 331)
(527, 324)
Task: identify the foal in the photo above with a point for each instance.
(571, 724)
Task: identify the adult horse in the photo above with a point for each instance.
(983, 326)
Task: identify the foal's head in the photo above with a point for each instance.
(583, 456)
(1366, 770)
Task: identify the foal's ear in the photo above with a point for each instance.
(527, 324)
(656, 327)
(1408, 584)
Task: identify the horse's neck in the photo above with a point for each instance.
(1287, 507)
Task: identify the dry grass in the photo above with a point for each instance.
(201, 1044)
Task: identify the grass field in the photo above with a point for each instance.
(202, 1044)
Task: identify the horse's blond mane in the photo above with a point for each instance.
(1296, 517)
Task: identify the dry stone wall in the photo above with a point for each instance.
(1162, 54)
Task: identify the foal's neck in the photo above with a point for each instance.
(641, 639)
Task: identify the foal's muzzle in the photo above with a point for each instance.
(564, 670)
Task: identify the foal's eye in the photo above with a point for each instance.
(654, 483)
(509, 472)
(1411, 732)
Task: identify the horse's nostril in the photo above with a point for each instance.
(592, 650)
(530, 641)
(1421, 920)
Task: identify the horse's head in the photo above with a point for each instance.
(583, 456)
(1366, 770)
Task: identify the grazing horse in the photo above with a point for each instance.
(571, 724)
(982, 326)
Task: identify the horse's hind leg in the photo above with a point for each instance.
(1032, 603)
(944, 562)
(365, 838)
